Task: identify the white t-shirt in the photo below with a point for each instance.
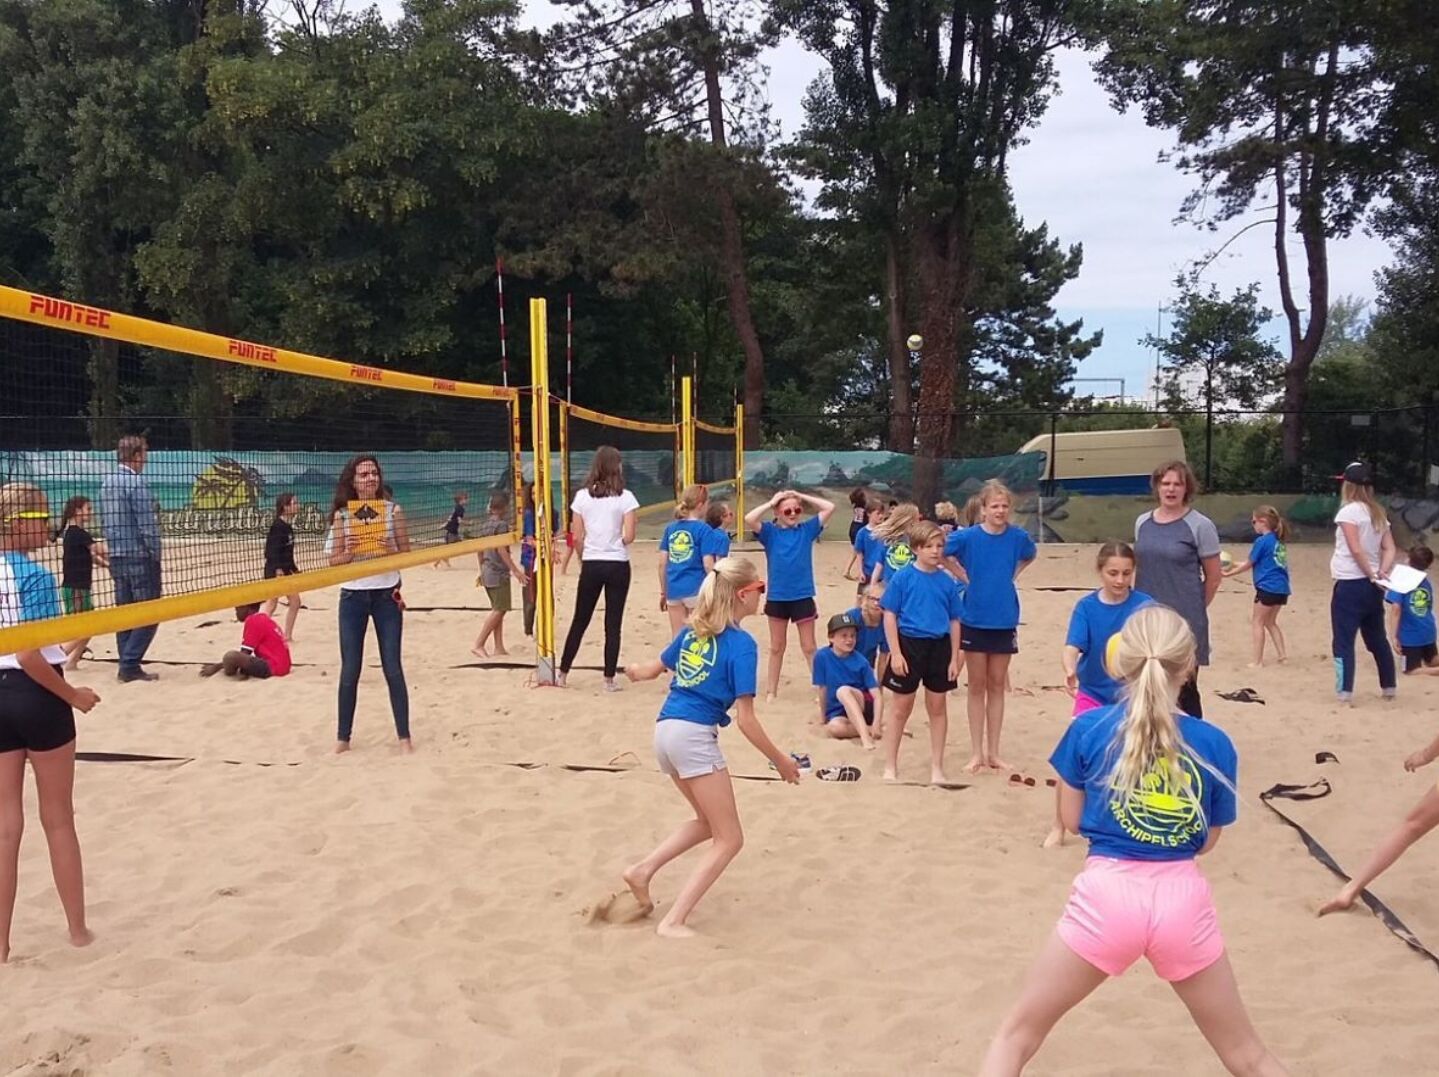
(381, 580)
(604, 519)
(1342, 565)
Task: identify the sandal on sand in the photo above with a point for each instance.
(1020, 779)
(801, 761)
(838, 774)
(1243, 695)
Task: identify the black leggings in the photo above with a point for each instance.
(1190, 702)
(612, 578)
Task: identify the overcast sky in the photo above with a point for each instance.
(1093, 175)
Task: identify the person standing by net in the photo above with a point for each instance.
(604, 518)
(280, 558)
(131, 519)
(366, 524)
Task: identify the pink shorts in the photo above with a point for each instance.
(1084, 703)
(1122, 910)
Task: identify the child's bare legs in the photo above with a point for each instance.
(713, 798)
(978, 689)
(1055, 836)
(936, 705)
(894, 722)
(292, 614)
(55, 786)
(637, 876)
(1212, 997)
(12, 827)
(806, 641)
(678, 615)
(852, 724)
(1421, 819)
(1256, 632)
(997, 677)
(1059, 981)
(490, 627)
(1271, 623)
(778, 633)
(499, 631)
(75, 652)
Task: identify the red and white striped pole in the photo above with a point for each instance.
(674, 389)
(569, 348)
(504, 347)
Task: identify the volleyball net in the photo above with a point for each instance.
(230, 428)
(718, 453)
(651, 453)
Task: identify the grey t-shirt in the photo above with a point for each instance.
(493, 572)
(1169, 569)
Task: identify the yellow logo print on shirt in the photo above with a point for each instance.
(682, 547)
(1164, 810)
(1420, 602)
(696, 661)
(898, 555)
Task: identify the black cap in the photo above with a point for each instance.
(842, 620)
(1357, 473)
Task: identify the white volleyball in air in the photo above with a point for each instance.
(915, 342)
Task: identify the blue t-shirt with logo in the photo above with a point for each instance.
(527, 541)
(871, 641)
(683, 543)
(923, 602)
(870, 549)
(1160, 820)
(710, 673)
(895, 556)
(831, 672)
(1091, 625)
(1270, 560)
(990, 561)
(1416, 615)
(715, 544)
(27, 593)
(790, 553)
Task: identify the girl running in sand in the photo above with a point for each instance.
(1096, 619)
(1269, 558)
(1150, 788)
(715, 664)
(1422, 818)
(989, 556)
(37, 722)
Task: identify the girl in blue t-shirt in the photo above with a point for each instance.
(684, 560)
(989, 556)
(890, 548)
(1096, 620)
(1151, 789)
(867, 548)
(1269, 558)
(715, 664)
(37, 721)
(788, 542)
(720, 517)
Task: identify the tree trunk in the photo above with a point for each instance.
(104, 404)
(901, 400)
(731, 238)
(942, 258)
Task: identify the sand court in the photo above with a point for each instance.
(374, 913)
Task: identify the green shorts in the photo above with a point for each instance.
(501, 601)
(77, 600)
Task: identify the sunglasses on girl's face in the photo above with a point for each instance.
(792, 512)
(752, 588)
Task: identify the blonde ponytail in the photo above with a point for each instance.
(691, 498)
(896, 526)
(1156, 655)
(719, 596)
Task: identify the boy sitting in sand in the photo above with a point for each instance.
(263, 651)
(846, 682)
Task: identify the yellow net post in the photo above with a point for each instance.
(739, 470)
(544, 525)
(687, 425)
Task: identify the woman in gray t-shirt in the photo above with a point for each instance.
(1177, 553)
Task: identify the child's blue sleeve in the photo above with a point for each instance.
(744, 666)
(1223, 805)
(1027, 550)
(1394, 597)
(1068, 758)
(1078, 635)
(665, 538)
(819, 674)
(39, 601)
(893, 591)
(954, 545)
(671, 654)
(871, 682)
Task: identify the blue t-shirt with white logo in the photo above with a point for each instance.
(923, 602)
(1270, 560)
(895, 557)
(710, 673)
(1168, 817)
(27, 593)
(1416, 615)
(1091, 625)
(871, 641)
(790, 553)
(990, 561)
(831, 672)
(683, 542)
(715, 544)
(870, 549)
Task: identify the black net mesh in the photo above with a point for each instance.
(650, 456)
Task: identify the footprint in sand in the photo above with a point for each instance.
(618, 908)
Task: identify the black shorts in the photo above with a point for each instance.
(1419, 657)
(797, 610)
(272, 571)
(32, 718)
(989, 640)
(257, 667)
(928, 661)
(1269, 598)
(854, 526)
(451, 536)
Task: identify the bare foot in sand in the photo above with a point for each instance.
(770, 697)
(667, 930)
(341, 746)
(639, 884)
(975, 765)
(407, 746)
(83, 937)
(500, 652)
(1054, 838)
(996, 763)
(1341, 902)
(890, 775)
(479, 652)
(936, 777)
(1254, 665)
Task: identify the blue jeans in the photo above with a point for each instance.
(137, 579)
(1358, 606)
(357, 609)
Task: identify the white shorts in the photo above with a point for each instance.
(687, 749)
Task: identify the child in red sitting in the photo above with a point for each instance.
(263, 651)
